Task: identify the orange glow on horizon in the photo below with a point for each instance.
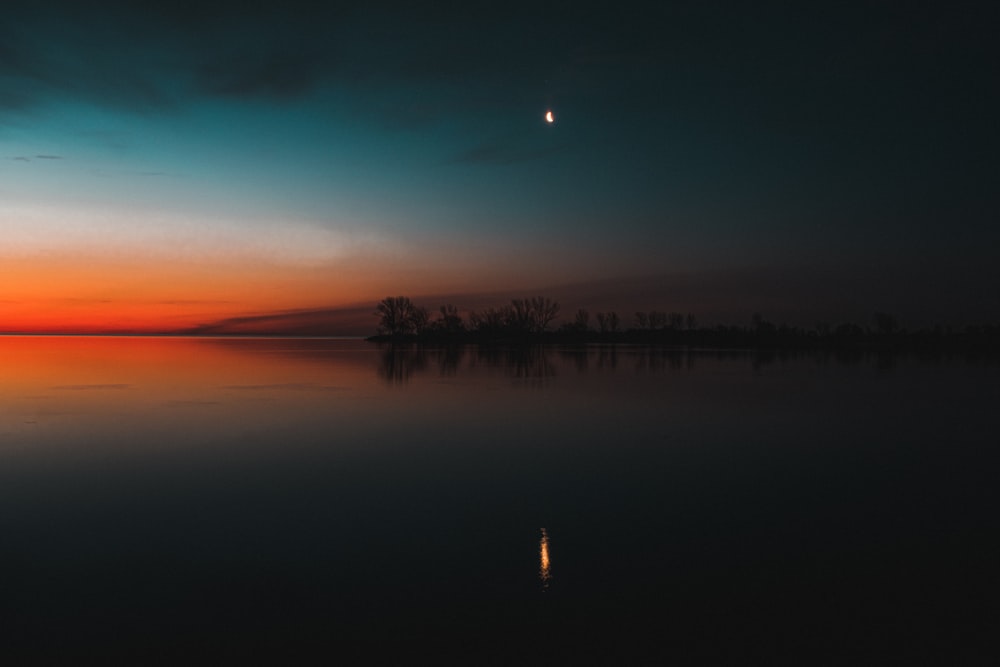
(141, 292)
(79, 295)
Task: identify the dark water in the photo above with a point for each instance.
(181, 501)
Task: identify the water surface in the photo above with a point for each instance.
(184, 499)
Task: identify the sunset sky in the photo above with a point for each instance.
(209, 167)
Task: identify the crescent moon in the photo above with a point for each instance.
(549, 118)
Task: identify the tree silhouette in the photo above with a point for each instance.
(490, 320)
(399, 317)
(762, 326)
(523, 321)
(419, 318)
(532, 315)
(399, 362)
(449, 322)
(885, 324)
(545, 311)
(521, 316)
(657, 319)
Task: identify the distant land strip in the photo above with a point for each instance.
(527, 321)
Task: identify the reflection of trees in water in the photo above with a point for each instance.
(449, 359)
(399, 362)
(651, 358)
(578, 356)
(843, 357)
(607, 357)
(762, 358)
(885, 361)
(882, 359)
(530, 362)
(659, 360)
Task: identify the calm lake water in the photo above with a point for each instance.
(180, 500)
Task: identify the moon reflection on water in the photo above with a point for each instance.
(545, 567)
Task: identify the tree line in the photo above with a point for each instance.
(399, 318)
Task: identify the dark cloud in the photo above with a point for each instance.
(503, 154)
(279, 74)
(147, 59)
(193, 403)
(135, 54)
(49, 157)
(408, 64)
(153, 57)
(90, 56)
(347, 321)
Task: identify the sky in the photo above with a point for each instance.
(207, 167)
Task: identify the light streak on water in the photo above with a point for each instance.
(545, 566)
